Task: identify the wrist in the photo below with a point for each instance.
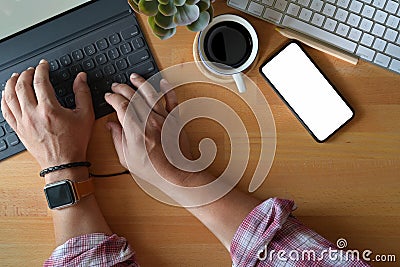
(76, 174)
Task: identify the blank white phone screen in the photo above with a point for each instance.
(307, 91)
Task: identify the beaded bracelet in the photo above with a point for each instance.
(64, 166)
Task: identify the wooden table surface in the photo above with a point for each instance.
(346, 188)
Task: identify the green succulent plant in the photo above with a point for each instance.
(165, 15)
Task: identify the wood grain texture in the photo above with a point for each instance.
(348, 187)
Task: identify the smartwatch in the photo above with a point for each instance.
(66, 193)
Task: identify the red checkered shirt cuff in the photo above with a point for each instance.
(95, 249)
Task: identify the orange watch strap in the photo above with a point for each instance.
(84, 189)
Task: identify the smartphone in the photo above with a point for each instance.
(306, 91)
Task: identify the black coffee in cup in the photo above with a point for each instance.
(228, 43)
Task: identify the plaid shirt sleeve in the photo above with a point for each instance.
(95, 249)
(271, 236)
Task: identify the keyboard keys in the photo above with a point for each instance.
(329, 10)
(330, 25)
(90, 50)
(390, 35)
(109, 70)
(77, 55)
(8, 128)
(368, 11)
(75, 69)
(342, 29)
(54, 65)
(382, 60)
(142, 69)
(395, 65)
(240, 4)
(138, 43)
(1, 117)
(293, 9)
(120, 78)
(70, 101)
(353, 20)
(343, 3)
(125, 48)
(138, 57)
(393, 22)
(305, 14)
(60, 91)
(318, 19)
(366, 25)
(379, 44)
(378, 30)
(95, 75)
(101, 59)
(12, 140)
(65, 60)
(2, 132)
(355, 35)
(319, 33)
(356, 6)
(88, 65)
(341, 14)
(113, 54)
(102, 44)
(64, 74)
(281, 5)
(272, 15)
(255, 8)
(130, 32)
(3, 145)
(393, 50)
(367, 39)
(316, 5)
(114, 39)
(392, 7)
(378, 3)
(380, 16)
(121, 64)
(365, 52)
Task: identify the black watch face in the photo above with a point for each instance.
(60, 194)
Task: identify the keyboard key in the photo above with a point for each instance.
(125, 48)
(130, 32)
(319, 33)
(281, 5)
(95, 75)
(65, 60)
(272, 15)
(356, 6)
(12, 140)
(101, 59)
(367, 39)
(316, 5)
(1, 117)
(113, 53)
(379, 3)
(305, 14)
(393, 50)
(366, 25)
(142, 69)
(342, 29)
(102, 44)
(138, 57)
(8, 128)
(2, 132)
(330, 25)
(393, 22)
(89, 50)
(368, 11)
(88, 65)
(114, 39)
(293, 9)
(75, 69)
(382, 60)
(390, 35)
(70, 101)
(379, 44)
(395, 65)
(3, 145)
(378, 30)
(61, 91)
(266, 2)
(355, 35)
(380, 16)
(109, 70)
(318, 19)
(77, 55)
(138, 43)
(304, 2)
(353, 20)
(64, 74)
(121, 64)
(255, 8)
(367, 1)
(241, 4)
(54, 65)
(365, 53)
(329, 10)
(343, 3)
(120, 78)
(341, 15)
(392, 7)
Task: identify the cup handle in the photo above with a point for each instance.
(239, 82)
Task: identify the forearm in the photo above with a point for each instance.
(84, 217)
(223, 216)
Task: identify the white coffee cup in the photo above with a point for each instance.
(250, 40)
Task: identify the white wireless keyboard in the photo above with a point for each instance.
(366, 28)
